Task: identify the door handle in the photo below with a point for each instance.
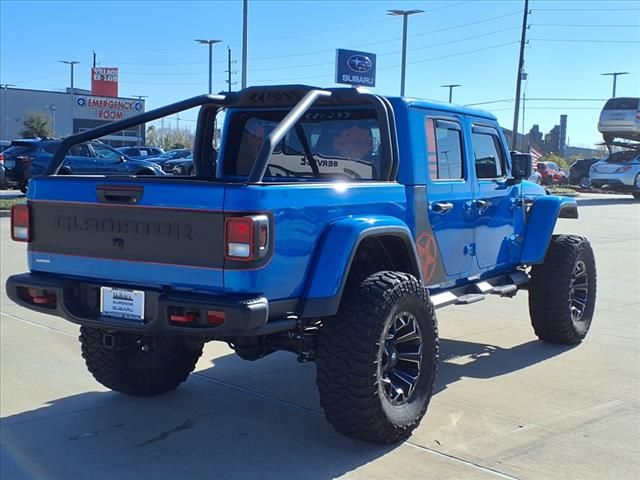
(482, 204)
(441, 207)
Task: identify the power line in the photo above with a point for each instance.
(590, 25)
(462, 53)
(582, 41)
(586, 9)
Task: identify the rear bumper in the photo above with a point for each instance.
(79, 302)
(614, 180)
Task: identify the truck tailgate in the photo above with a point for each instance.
(142, 232)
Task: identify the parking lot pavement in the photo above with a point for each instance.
(506, 405)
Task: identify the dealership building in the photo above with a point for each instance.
(70, 111)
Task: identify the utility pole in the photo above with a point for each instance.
(140, 126)
(451, 87)
(70, 63)
(404, 14)
(229, 71)
(211, 43)
(4, 87)
(245, 12)
(615, 77)
(516, 111)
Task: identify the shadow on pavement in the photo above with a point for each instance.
(210, 430)
(460, 359)
(592, 202)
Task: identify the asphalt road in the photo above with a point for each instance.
(507, 406)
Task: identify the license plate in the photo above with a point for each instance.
(120, 303)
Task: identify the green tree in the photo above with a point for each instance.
(36, 124)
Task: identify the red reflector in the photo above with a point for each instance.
(263, 236)
(184, 317)
(20, 217)
(215, 318)
(42, 297)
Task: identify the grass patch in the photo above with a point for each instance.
(563, 191)
(6, 203)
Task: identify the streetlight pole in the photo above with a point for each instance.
(52, 109)
(140, 98)
(211, 43)
(615, 77)
(4, 86)
(405, 15)
(451, 86)
(70, 63)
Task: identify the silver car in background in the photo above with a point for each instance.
(620, 118)
(620, 172)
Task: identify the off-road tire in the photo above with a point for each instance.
(552, 294)
(125, 368)
(349, 358)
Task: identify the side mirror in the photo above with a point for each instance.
(122, 159)
(520, 166)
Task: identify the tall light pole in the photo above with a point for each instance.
(71, 63)
(211, 43)
(4, 86)
(404, 14)
(245, 13)
(615, 77)
(140, 98)
(451, 86)
(52, 109)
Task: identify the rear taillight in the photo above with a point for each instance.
(20, 223)
(1, 159)
(246, 238)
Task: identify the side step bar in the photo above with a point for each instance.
(503, 285)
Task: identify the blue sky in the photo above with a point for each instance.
(473, 43)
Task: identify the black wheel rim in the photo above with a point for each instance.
(400, 358)
(579, 291)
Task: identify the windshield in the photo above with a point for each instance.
(325, 144)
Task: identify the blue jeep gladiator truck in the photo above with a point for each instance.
(331, 223)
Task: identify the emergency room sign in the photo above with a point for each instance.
(105, 108)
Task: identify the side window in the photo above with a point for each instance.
(489, 160)
(107, 154)
(81, 150)
(444, 143)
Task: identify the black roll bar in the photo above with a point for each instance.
(114, 127)
(299, 97)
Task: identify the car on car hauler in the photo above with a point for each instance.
(332, 224)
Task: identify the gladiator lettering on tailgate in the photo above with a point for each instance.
(72, 223)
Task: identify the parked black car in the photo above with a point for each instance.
(178, 154)
(141, 153)
(579, 172)
(30, 158)
(179, 166)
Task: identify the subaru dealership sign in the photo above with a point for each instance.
(355, 68)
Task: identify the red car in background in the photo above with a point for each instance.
(552, 174)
